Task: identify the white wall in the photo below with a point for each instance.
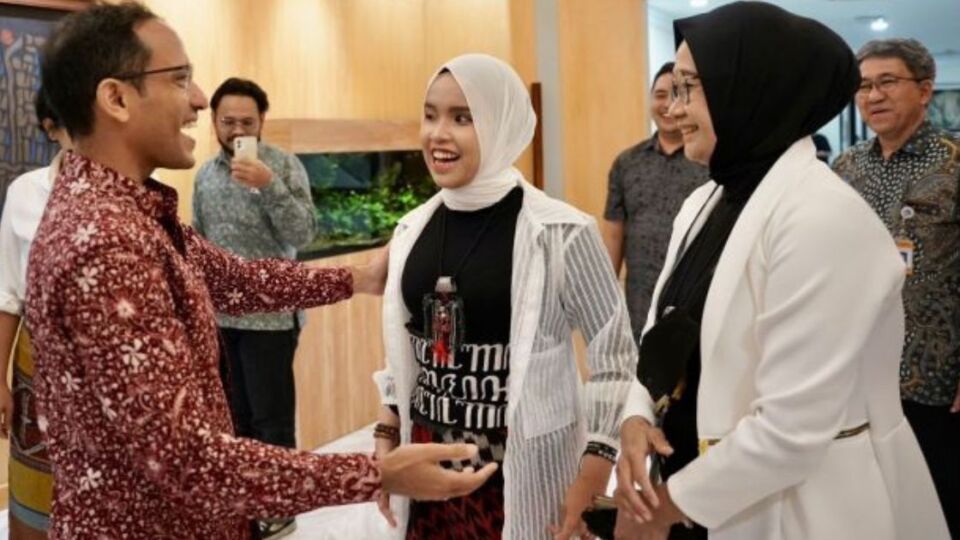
(948, 72)
(659, 44)
(660, 39)
(548, 72)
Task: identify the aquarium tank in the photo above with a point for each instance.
(358, 197)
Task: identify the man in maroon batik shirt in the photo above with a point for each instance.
(121, 301)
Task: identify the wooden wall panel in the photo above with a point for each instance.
(454, 28)
(340, 349)
(213, 37)
(299, 58)
(302, 135)
(353, 59)
(603, 66)
(523, 57)
(387, 72)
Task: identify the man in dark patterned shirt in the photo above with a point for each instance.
(648, 183)
(909, 174)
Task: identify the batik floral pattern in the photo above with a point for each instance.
(121, 304)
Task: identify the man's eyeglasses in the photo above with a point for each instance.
(183, 74)
(228, 123)
(680, 89)
(884, 84)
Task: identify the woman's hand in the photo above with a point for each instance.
(591, 481)
(639, 440)
(382, 448)
(371, 278)
(629, 529)
(657, 528)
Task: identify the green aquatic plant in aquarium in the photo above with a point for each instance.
(359, 197)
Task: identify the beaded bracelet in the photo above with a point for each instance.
(601, 450)
(390, 433)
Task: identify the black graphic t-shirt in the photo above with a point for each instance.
(468, 391)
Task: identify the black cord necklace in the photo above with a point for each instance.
(476, 240)
(443, 313)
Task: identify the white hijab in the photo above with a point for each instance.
(504, 120)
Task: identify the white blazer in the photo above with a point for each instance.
(801, 338)
(561, 279)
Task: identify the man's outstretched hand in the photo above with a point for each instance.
(414, 470)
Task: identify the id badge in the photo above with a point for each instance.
(907, 248)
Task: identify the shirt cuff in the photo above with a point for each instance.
(386, 387)
(10, 304)
(638, 404)
(604, 439)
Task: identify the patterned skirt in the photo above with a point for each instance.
(31, 482)
(478, 516)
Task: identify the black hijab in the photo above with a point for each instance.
(770, 78)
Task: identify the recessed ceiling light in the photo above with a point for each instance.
(879, 24)
(699, 3)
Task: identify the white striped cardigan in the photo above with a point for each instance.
(562, 280)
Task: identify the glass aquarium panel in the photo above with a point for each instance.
(358, 197)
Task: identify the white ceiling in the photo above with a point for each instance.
(936, 23)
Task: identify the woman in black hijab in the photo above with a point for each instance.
(776, 325)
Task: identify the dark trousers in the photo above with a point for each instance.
(938, 431)
(258, 370)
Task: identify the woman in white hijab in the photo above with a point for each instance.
(487, 282)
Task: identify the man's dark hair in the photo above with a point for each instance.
(43, 110)
(87, 47)
(664, 69)
(235, 86)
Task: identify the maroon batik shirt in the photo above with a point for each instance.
(121, 301)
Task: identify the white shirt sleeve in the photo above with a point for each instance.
(23, 208)
(11, 297)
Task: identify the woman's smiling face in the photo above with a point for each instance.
(448, 137)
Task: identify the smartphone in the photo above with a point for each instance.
(245, 148)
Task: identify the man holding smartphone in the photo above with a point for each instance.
(254, 200)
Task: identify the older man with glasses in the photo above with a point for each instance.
(909, 173)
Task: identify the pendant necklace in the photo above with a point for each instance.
(443, 314)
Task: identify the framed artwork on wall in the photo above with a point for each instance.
(25, 26)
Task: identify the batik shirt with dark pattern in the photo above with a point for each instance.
(272, 221)
(645, 191)
(121, 300)
(923, 175)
